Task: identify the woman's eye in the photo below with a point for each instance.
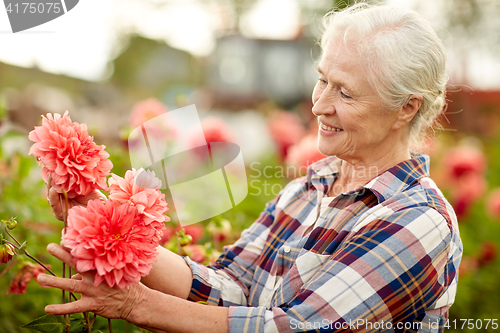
(344, 95)
(322, 81)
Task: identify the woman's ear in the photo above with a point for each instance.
(408, 111)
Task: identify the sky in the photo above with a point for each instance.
(81, 42)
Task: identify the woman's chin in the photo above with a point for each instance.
(328, 150)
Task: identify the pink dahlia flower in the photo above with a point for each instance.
(141, 189)
(67, 152)
(112, 240)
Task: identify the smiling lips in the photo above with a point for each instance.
(328, 128)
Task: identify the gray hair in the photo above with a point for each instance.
(402, 54)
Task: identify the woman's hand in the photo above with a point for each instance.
(102, 300)
(136, 304)
(53, 197)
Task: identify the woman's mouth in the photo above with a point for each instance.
(329, 128)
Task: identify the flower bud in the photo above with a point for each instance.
(11, 223)
(6, 253)
(185, 240)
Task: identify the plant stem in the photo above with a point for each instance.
(109, 326)
(32, 258)
(93, 319)
(89, 327)
(35, 260)
(8, 233)
(64, 213)
(39, 263)
(68, 325)
(26, 252)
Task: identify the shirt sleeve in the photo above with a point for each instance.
(228, 280)
(388, 271)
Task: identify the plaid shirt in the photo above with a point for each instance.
(382, 258)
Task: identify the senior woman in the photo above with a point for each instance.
(364, 242)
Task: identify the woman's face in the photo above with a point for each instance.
(354, 125)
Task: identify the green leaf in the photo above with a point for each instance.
(57, 324)
(48, 324)
(78, 324)
(22, 249)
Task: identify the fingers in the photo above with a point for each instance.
(77, 277)
(73, 286)
(61, 254)
(68, 308)
(54, 202)
(96, 194)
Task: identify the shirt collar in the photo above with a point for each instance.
(394, 180)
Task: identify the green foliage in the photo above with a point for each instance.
(57, 324)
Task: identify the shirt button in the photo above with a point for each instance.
(286, 249)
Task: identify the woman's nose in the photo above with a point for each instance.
(323, 105)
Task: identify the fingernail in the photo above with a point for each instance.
(48, 308)
(42, 279)
(51, 247)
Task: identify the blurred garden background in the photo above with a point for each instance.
(249, 67)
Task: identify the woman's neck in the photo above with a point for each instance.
(354, 174)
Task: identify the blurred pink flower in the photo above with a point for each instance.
(462, 160)
(195, 230)
(20, 282)
(304, 153)
(488, 253)
(67, 152)
(141, 189)
(494, 203)
(215, 130)
(146, 110)
(112, 240)
(472, 185)
(467, 189)
(286, 129)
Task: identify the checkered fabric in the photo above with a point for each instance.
(383, 258)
